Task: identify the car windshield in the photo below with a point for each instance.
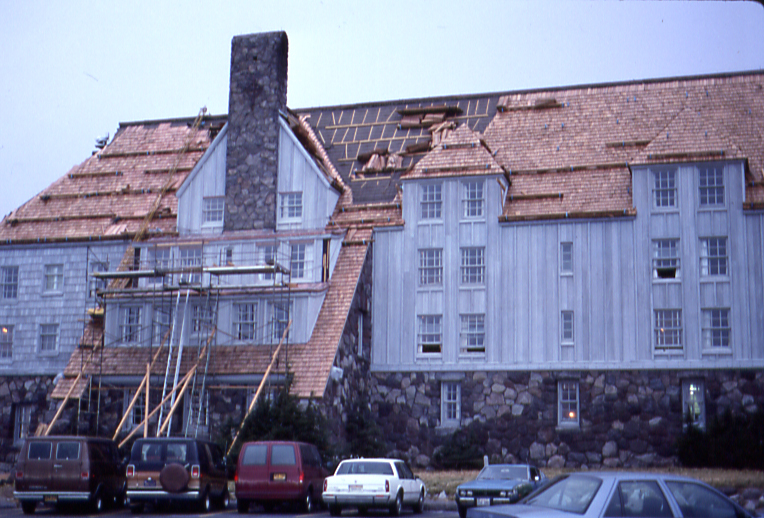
(365, 468)
(503, 473)
(572, 494)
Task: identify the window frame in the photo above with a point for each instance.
(472, 334)
(711, 333)
(239, 323)
(10, 287)
(661, 262)
(450, 404)
(710, 193)
(431, 201)
(53, 278)
(568, 396)
(472, 268)
(130, 325)
(191, 258)
(6, 342)
(429, 326)
(22, 422)
(291, 206)
(566, 258)
(279, 308)
(430, 267)
(473, 199)
(202, 319)
(664, 189)
(47, 332)
(160, 326)
(298, 266)
(662, 332)
(213, 206)
(711, 265)
(567, 336)
(138, 412)
(692, 405)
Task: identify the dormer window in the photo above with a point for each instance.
(290, 205)
(212, 210)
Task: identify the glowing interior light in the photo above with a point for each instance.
(572, 415)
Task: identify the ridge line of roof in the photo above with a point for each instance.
(211, 118)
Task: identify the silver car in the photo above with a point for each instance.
(619, 494)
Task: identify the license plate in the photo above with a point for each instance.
(481, 502)
(355, 487)
(50, 498)
(279, 477)
(149, 483)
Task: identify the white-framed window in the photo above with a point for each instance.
(716, 328)
(245, 320)
(191, 262)
(6, 342)
(281, 312)
(360, 334)
(54, 278)
(202, 318)
(138, 412)
(566, 327)
(48, 338)
(668, 329)
(298, 260)
(711, 186)
(267, 255)
(566, 257)
(472, 334)
(430, 266)
(473, 265)
(22, 420)
(713, 256)
(666, 259)
(429, 334)
(567, 404)
(9, 280)
(213, 209)
(431, 201)
(664, 188)
(694, 403)
(451, 403)
(161, 259)
(130, 324)
(472, 199)
(161, 323)
(291, 205)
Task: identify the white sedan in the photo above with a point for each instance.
(365, 483)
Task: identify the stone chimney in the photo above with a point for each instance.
(257, 93)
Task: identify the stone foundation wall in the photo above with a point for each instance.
(16, 391)
(628, 419)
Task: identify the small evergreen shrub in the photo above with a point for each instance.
(463, 449)
(364, 436)
(729, 441)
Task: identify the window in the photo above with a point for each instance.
(664, 188)
(431, 201)
(566, 257)
(666, 259)
(473, 265)
(472, 199)
(699, 500)
(711, 186)
(161, 324)
(291, 205)
(668, 329)
(281, 313)
(6, 342)
(430, 266)
(267, 254)
(48, 338)
(429, 337)
(96, 284)
(212, 210)
(713, 256)
(202, 319)
(191, 262)
(9, 279)
(694, 403)
(567, 397)
(244, 323)
(636, 498)
(138, 412)
(566, 327)
(451, 406)
(22, 420)
(130, 325)
(716, 328)
(472, 335)
(360, 334)
(54, 277)
(162, 261)
(297, 261)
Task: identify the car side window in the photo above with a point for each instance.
(638, 498)
(696, 501)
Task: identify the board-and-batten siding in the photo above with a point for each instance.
(754, 294)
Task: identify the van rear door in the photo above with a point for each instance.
(284, 479)
(36, 466)
(67, 467)
(253, 470)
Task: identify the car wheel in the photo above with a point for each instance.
(462, 511)
(224, 499)
(119, 500)
(419, 505)
(206, 502)
(136, 508)
(395, 508)
(308, 505)
(335, 510)
(242, 505)
(28, 507)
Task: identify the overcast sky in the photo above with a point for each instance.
(71, 71)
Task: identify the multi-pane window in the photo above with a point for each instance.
(9, 279)
(430, 266)
(212, 209)
(6, 342)
(191, 263)
(138, 412)
(244, 324)
(694, 403)
(291, 205)
(472, 335)
(429, 334)
(161, 260)
(431, 201)
(161, 324)
(566, 327)
(473, 265)
(668, 329)
(472, 199)
(716, 328)
(451, 406)
(664, 188)
(666, 259)
(711, 186)
(297, 260)
(713, 256)
(268, 256)
(566, 257)
(567, 398)
(48, 338)
(281, 313)
(54, 277)
(201, 321)
(22, 420)
(130, 324)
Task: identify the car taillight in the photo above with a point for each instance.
(324, 484)
(130, 470)
(19, 474)
(236, 477)
(302, 477)
(387, 486)
(85, 475)
(195, 471)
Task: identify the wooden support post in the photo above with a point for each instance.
(148, 399)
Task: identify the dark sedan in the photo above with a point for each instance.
(498, 484)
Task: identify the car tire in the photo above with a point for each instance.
(242, 505)
(205, 504)
(462, 511)
(308, 504)
(419, 505)
(395, 507)
(335, 510)
(224, 499)
(96, 505)
(28, 507)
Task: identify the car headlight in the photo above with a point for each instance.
(503, 494)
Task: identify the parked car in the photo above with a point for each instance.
(272, 472)
(498, 484)
(57, 470)
(616, 494)
(365, 483)
(176, 469)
